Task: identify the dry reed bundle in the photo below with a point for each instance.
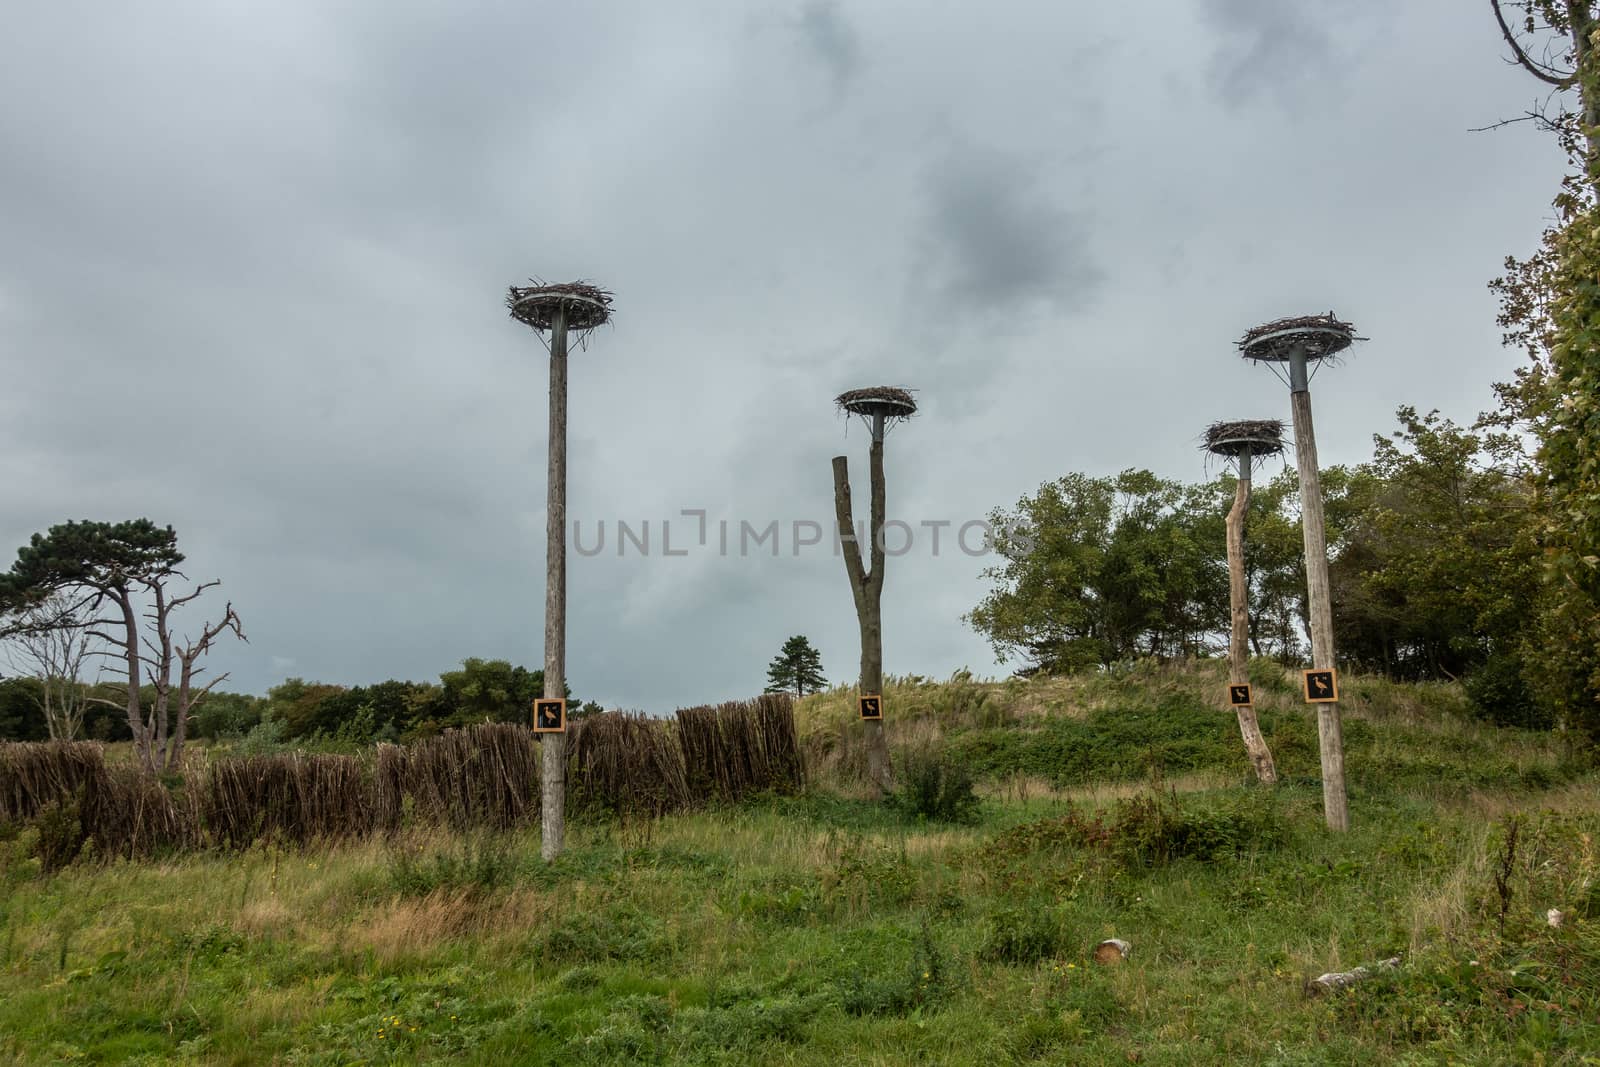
(129, 813)
(627, 764)
(389, 776)
(36, 775)
(289, 799)
(482, 775)
(741, 748)
(786, 767)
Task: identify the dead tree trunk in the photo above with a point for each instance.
(867, 589)
(1330, 732)
(553, 777)
(1238, 645)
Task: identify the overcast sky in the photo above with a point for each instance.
(253, 258)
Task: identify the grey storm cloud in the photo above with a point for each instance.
(997, 241)
(1272, 47)
(252, 268)
(829, 37)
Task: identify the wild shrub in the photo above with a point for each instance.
(865, 874)
(61, 835)
(1023, 935)
(934, 789)
(622, 932)
(879, 984)
(482, 863)
(1156, 828)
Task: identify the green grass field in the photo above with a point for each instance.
(833, 929)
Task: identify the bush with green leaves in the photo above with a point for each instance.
(936, 789)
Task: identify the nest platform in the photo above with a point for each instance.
(889, 401)
(1321, 336)
(586, 305)
(1262, 437)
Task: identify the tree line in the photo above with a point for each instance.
(1435, 567)
(481, 690)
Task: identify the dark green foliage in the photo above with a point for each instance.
(1500, 694)
(1024, 934)
(894, 971)
(96, 555)
(1097, 570)
(617, 933)
(21, 710)
(1108, 744)
(797, 667)
(479, 863)
(934, 788)
(1156, 828)
(61, 835)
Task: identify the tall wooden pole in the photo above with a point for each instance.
(553, 779)
(879, 766)
(1330, 733)
(1238, 645)
(866, 587)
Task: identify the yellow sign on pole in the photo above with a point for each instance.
(1322, 686)
(549, 716)
(872, 707)
(1239, 695)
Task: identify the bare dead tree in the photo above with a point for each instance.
(1553, 40)
(879, 406)
(159, 734)
(52, 642)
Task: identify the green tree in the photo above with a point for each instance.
(797, 667)
(1436, 576)
(1096, 570)
(1550, 307)
(123, 572)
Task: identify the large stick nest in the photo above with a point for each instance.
(1321, 336)
(587, 305)
(889, 401)
(1263, 437)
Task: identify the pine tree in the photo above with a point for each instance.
(796, 668)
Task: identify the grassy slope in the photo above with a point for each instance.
(823, 930)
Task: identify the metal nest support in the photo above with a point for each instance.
(889, 401)
(1320, 336)
(586, 305)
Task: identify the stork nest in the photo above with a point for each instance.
(587, 306)
(1321, 336)
(1263, 437)
(885, 400)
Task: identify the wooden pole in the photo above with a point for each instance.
(879, 766)
(1330, 733)
(1238, 645)
(553, 777)
(866, 587)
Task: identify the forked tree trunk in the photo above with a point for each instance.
(1330, 734)
(867, 589)
(553, 776)
(1239, 640)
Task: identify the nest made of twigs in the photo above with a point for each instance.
(1321, 336)
(586, 305)
(1262, 437)
(889, 401)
